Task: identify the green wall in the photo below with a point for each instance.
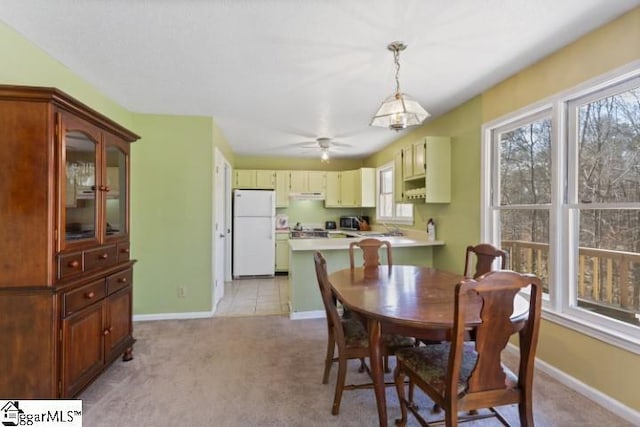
(293, 163)
(458, 222)
(172, 184)
(23, 63)
(172, 187)
(314, 212)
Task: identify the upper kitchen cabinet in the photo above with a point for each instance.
(426, 171)
(307, 181)
(66, 275)
(282, 188)
(254, 179)
(355, 188)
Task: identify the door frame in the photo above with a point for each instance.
(221, 211)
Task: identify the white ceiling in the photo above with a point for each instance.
(276, 74)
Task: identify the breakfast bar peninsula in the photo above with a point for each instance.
(413, 248)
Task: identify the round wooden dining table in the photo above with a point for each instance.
(410, 300)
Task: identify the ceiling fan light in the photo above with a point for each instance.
(324, 156)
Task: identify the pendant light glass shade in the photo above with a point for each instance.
(399, 110)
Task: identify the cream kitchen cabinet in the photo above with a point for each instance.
(282, 252)
(430, 183)
(254, 179)
(283, 180)
(413, 161)
(355, 188)
(307, 181)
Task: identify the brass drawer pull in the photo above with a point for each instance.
(122, 280)
(124, 250)
(73, 264)
(104, 256)
(89, 295)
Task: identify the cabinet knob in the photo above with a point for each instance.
(89, 295)
(106, 331)
(74, 264)
(124, 250)
(122, 280)
(104, 256)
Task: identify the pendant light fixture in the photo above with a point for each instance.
(399, 111)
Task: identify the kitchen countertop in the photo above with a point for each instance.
(411, 239)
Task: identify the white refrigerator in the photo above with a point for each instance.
(254, 245)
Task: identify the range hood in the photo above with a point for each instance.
(307, 196)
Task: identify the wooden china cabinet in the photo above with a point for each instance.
(65, 271)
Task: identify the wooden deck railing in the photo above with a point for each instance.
(608, 281)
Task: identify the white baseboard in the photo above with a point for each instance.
(299, 315)
(587, 391)
(172, 316)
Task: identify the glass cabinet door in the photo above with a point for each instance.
(115, 189)
(79, 192)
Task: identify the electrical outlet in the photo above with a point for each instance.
(182, 292)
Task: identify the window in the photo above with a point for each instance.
(388, 210)
(561, 194)
(522, 193)
(604, 201)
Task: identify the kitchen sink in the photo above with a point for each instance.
(380, 234)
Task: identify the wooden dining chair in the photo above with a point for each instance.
(370, 252)
(371, 256)
(484, 254)
(468, 375)
(349, 336)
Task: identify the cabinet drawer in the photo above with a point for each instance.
(83, 297)
(69, 264)
(123, 252)
(104, 256)
(117, 281)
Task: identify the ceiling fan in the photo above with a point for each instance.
(324, 145)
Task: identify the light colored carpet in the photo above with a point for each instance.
(265, 371)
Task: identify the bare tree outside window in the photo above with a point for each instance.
(525, 186)
(608, 138)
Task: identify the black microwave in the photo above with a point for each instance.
(352, 222)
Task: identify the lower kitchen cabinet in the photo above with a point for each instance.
(282, 252)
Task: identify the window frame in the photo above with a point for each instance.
(392, 219)
(563, 227)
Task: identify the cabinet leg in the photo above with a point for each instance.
(128, 354)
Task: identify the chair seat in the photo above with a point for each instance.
(430, 363)
(355, 335)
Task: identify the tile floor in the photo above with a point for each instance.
(255, 297)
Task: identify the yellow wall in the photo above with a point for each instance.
(600, 51)
(609, 369)
(604, 367)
